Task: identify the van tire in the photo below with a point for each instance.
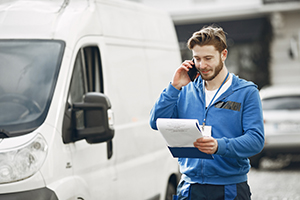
(171, 190)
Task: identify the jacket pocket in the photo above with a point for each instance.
(224, 166)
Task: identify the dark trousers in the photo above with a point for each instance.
(240, 191)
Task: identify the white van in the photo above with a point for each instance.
(77, 81)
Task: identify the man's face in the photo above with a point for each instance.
(208, 61)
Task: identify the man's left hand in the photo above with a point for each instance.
(207, 145)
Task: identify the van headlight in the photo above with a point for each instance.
(23, 161)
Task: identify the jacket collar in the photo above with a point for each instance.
(237, 83)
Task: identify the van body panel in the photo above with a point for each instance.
(150, 25)
(133, 50)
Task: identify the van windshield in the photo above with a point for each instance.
(28, 74)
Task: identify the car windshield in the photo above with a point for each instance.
(281, 103)
(28, 74)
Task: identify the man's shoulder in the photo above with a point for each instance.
(240, 83)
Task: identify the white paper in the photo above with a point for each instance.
(179, 132)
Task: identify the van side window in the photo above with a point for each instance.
(77, 88)
(93, 69)
(86, 77)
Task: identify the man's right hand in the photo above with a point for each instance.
(181, 77)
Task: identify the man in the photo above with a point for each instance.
(228, 108)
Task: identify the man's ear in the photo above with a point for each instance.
(224, 54)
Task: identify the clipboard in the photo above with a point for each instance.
(180, 134)
(188, 152)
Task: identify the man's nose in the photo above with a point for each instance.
(201, 65)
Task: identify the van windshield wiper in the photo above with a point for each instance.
(4, 134)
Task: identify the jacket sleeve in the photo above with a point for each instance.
(252, 140)
(165, 106)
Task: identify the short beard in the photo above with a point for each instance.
(217, 71)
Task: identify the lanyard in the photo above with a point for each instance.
(206, 109)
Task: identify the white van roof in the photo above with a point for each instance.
(69, 20)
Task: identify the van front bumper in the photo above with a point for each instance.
(42, 193)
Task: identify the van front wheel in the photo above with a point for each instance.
(171, 190)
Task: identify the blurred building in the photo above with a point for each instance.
(263, 35)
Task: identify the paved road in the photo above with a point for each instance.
(277, 180)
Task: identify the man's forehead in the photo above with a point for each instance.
(205, 50)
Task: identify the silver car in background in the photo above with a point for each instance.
(281, 111)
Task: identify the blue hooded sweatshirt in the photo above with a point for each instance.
(237, 124)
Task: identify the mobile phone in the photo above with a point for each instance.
(193, 72)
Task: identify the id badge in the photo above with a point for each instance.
(206, 130)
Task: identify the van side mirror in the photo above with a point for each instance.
(96, 126)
